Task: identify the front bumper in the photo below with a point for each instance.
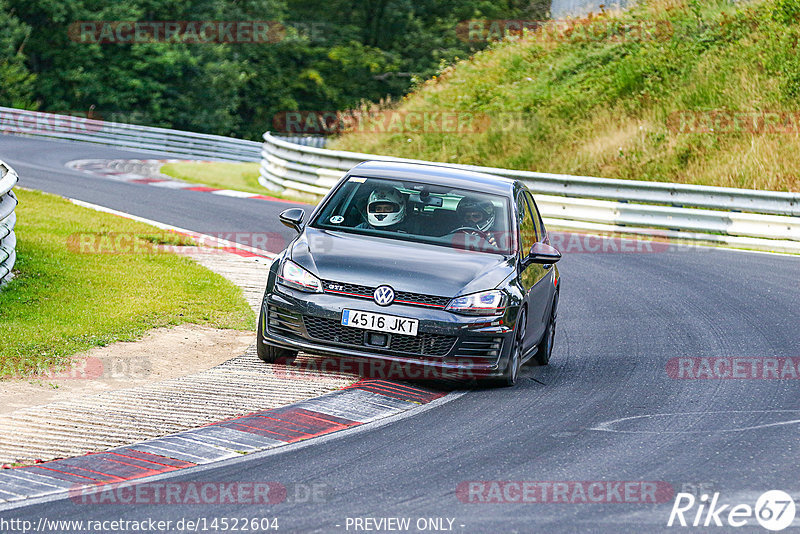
(447, 345)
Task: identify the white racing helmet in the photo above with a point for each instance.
(386, 207)
(472, 205)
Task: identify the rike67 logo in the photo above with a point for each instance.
(774, 510)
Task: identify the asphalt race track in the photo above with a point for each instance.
(606, 409)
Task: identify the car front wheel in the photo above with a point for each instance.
(542, 355)
(511, 373)
(271, 353)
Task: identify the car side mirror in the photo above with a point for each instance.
(293, 218)
(543, 253)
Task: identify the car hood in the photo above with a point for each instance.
(403, 265)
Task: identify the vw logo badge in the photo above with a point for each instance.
(384, 295)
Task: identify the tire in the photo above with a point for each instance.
(511, 372)
(271, 353)
(542, 355)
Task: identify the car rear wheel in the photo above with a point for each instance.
(542, 355)
(271, 353)
(511, 373)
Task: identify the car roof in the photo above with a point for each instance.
(436, 174)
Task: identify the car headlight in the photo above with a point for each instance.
(485, 303)
(294, 276)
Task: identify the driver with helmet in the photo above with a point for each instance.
(476, 215)
(386, 210)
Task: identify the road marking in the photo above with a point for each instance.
(142, 171)
(608, 426)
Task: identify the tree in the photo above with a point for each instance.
(16, 89)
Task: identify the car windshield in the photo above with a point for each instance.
(419, 212)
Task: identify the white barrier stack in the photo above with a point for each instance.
(8, 218)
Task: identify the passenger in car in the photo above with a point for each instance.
(478, 215)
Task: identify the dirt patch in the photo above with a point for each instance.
(162, 354)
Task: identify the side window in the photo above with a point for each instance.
(527, 228)
(537, 218)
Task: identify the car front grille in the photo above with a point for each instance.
(330, 330)
(400, 297)
(423, 344)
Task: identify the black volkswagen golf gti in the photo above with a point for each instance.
(432, 267)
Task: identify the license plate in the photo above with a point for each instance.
(380, 322)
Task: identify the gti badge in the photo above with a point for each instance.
(384, 295)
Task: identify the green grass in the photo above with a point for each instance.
(603, 106)
(63, 300)
(236, 176)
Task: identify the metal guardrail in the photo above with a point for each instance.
(763, 220)
(130, 136)
(317, 141)
(8, 219)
